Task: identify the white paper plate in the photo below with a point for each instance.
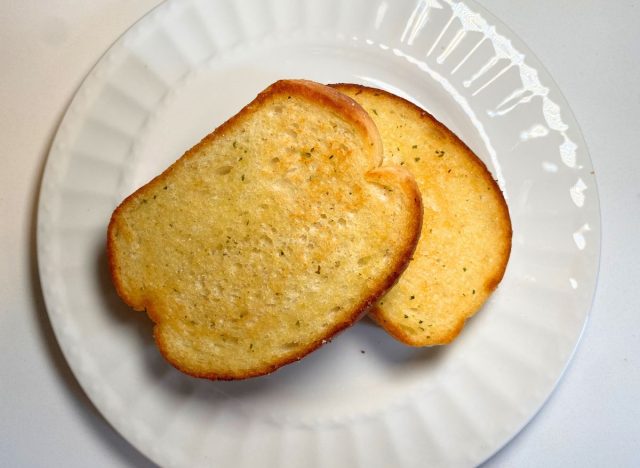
(364, 400)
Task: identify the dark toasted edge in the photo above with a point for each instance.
(314, 92)
(377, 313)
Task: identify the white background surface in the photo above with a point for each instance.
(591, 48)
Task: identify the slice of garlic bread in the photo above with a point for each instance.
(466, 235)
(275, 232)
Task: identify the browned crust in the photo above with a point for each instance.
(377, 313)
(352, 111)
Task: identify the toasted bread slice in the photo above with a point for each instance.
(275, 232)
(466, 235)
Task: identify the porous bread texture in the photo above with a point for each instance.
(275, 232)
(466, 235)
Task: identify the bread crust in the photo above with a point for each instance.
(395, 176)
(378, 312)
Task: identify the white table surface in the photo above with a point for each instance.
(591, 48)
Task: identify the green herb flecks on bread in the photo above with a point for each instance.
(466, 236)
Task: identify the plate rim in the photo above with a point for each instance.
(503, 30)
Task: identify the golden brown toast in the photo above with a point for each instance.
(466, 235)
(275, 232)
